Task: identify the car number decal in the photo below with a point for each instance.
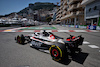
(36, 43)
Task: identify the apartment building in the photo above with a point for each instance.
(92, 12)
(71, 12)
(58, 15)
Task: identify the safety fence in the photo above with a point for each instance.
(84, 27)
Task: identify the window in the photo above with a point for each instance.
(95, 8)
(89, 9)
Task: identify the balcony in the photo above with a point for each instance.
(57, 19)
(61, 11)
(85, 2)
(80, 13)
(65, 2)
(64, 12)
(61, 7)
(72, 1)
(61, 3)
(72, 7)
(71, 15)
(66, 17)
(65, 6)
(79, 5)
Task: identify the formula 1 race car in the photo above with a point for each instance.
(48, 41)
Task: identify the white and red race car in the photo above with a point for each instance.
(56, 45)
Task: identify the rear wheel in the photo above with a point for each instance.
(58, 52)
(20, 39)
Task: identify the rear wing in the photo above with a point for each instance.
(75, 40)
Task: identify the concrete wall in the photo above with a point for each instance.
(93, 12)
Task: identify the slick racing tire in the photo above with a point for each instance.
(20, 39)
(58, 51)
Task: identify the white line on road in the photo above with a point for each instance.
(80, 31)
(63, 30)
(93, 46)
(28, 30)
(94, 31)
(85, 42)
(48, 30)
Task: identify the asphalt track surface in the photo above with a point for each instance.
(16, 55)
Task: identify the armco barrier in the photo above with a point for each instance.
(71, 25)
(83, 26)
(76, 26)
(66, 25)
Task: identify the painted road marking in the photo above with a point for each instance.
(28, 31)
(93, 46)
(85, 42)
(18, 30)
(94, 31)
(37, 28)
(7, 30)
(71, 30)
(54, 30)
(80, 31)
(48, 30)
(63, 30)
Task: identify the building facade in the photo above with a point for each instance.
(92, 12)
(58, 16)
(71, 12)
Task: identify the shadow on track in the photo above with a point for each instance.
(80, 58)
(77, 57)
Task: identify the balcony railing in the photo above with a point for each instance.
(65, 2)
(72, 7)
(61, 2)
(80, 13)
(61, 7)
(65, 6)
(72, 1)
(79, 5)
(64, 12)
(72, 14)
(85, 2)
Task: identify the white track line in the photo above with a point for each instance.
(93, 46)
(80, 31)
(48, 30)
(63, 30)
(94, 30)
(28, 30)
(85, 42)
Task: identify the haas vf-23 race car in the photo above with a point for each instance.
(55, 44)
